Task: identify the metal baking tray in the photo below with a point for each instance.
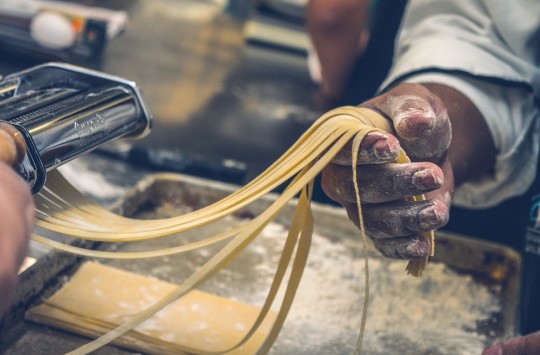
(466, 299)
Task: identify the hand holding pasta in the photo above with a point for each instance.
(422, 129)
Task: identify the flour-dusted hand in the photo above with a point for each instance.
(448, 141)
(16, 218)
(422, 129)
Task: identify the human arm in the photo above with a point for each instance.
(487, 53)
(339, 31)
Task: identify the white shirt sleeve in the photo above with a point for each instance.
(517, 141)
(490, 52)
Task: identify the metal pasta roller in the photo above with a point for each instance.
(57, 112)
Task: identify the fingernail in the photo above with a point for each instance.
(417, 249)
(493, 350)
(425, 179)
(385, 149)
(429, 217)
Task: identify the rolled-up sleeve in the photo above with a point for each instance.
(489, 51)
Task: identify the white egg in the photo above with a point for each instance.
(52, 30)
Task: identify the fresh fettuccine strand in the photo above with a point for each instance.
(64, 210)
(355, 147)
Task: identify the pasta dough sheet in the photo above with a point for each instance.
(100, 297)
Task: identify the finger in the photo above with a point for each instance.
(381, 183)
(408, 248)
(420, 119)
(524, 345)
(376, 147)
(400, 219)
(8, 282)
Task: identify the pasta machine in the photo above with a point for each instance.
(55, 112)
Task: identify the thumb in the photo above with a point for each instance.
(420, 119)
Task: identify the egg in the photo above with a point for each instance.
(52, 30)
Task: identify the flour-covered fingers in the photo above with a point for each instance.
(400, 218)
(381, 183)
(376, 147)
(407, 248)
